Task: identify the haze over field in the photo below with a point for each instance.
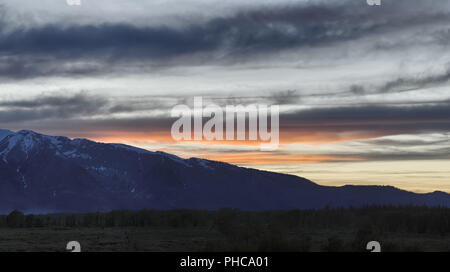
(363, 91)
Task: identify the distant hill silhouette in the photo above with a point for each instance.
(40, 173)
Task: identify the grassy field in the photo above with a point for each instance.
(104, 239)
(397, 229)
(193, 240)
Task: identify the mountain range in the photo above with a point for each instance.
(41, 173)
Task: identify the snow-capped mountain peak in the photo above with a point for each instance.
(52, 173)
(24, 142)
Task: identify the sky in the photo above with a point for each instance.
(364, 91)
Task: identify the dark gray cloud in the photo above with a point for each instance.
(416, 142)
(70, 112)
(44, 50)
(406, 84)
(396, 85)
(376, 119)
(284, 97)
(57, 100)
(23, 67)
(58, 105)
(436, 154)
(51, 106)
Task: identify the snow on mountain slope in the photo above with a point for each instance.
(4, 133)
(52, 173)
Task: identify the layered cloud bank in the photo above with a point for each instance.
(355, 84)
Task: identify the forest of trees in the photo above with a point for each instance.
(383, 218)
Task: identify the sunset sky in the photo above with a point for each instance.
(364, 92)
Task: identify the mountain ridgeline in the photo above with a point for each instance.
(40, 173)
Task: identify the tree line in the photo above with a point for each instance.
(411, 219)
